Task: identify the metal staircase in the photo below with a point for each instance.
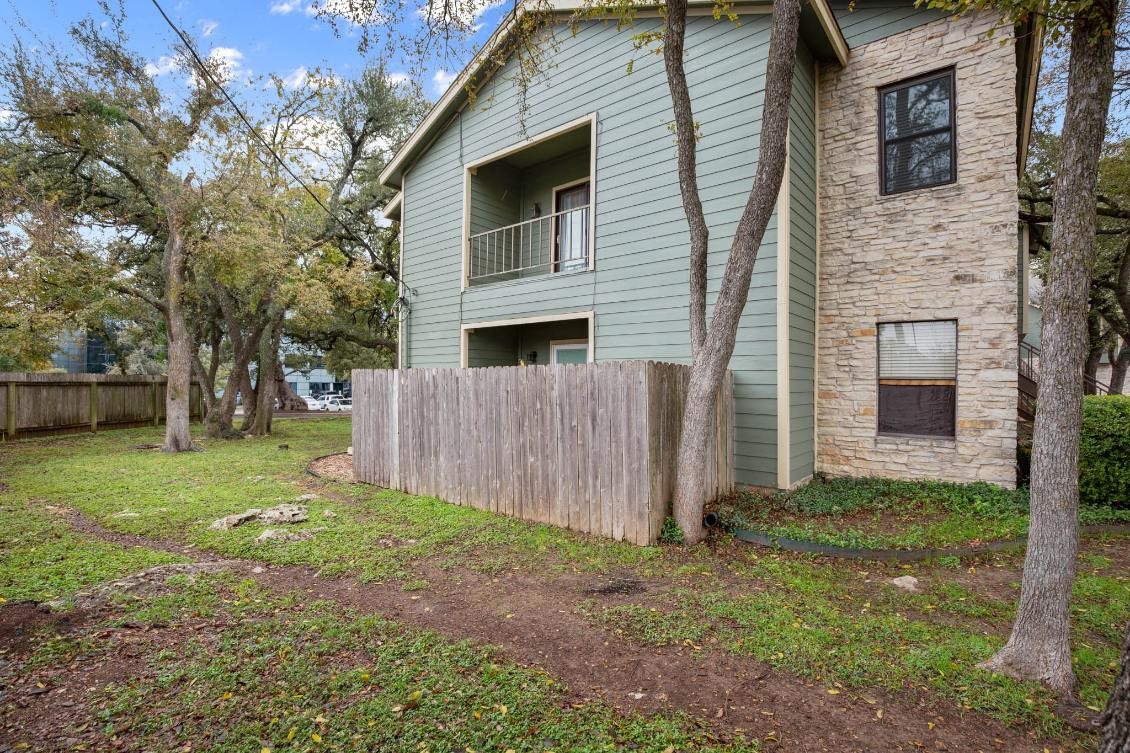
(1028, 382)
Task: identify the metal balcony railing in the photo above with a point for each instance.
(557, 242)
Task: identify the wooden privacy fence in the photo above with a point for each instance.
(38, 404)
(590, 447)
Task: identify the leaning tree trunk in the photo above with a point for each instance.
(1115, 721)
(179, 390)
(711, 359)
(219, 425)
(1039, 647)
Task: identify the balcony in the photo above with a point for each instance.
(529, 210)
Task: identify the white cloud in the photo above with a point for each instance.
(285, 7)
(208, 28)
(396, 79)
(165, 64)
(442, 79)
(296, 78)
(229, 61)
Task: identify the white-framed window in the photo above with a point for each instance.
(918, 377)
(568, 351)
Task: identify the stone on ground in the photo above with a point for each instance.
(906, 583)
(150, 582)
(285, 513)
(231, 521)
(286, 537)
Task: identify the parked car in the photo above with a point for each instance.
(337, 403)
(312, 404)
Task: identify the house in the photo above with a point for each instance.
(882, 325)
(82, 352)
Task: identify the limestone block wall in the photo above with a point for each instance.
(947, 252)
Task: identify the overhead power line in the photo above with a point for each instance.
(204, 71)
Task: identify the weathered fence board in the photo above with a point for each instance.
(591, 447)
(41, 404)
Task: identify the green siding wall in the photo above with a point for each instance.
(802, 269)
(638, 288)
(875, 19)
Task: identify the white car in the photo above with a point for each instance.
(337, 403)
(312, 404)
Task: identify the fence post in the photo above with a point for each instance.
(93, 407)
(156, 406)
(10, 410)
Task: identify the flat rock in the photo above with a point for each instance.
(228, 522)
(906, 583)
(307, 498)
(287, 537)
(148, 582)
(285, 513)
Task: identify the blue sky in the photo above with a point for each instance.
(257, 37)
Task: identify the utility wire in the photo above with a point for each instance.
(252, 130)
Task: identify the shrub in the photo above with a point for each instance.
(670, 533)
(1104, 451)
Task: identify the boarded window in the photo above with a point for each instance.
(917, 133)
(918, 378)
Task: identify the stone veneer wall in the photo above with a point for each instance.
(947, 252)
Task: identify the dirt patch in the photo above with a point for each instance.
(55, 708)
(616, 586)
(333, 467)
(532, 620)
(20, 622)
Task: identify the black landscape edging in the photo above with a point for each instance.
(901, 555)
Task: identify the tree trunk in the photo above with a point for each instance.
(1118, 368)
(711, 359)
(247, 391)
(220, 425)
(1039, 646)
(265, 385)
(178, 393)
(1096, 346)
(287, 398)
(1115, 721)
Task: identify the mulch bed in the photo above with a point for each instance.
(337, 467)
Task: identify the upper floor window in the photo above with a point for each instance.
(917, 133)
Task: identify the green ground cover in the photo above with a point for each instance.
(876, 513)
(834, 621)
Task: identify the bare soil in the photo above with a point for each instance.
(532, 619)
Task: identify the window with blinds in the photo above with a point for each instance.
(916, 128)
(918, 378)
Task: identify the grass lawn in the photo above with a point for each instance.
(236, 665)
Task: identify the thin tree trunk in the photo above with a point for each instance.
(1115, 720)
(708, 367)
(265, 386)
(1039, 647)
(1094, 352)
(248, 391)
(243, 349)
(687, 146)
(1118, 368)
(178, 393)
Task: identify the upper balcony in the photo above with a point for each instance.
(529, 210)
